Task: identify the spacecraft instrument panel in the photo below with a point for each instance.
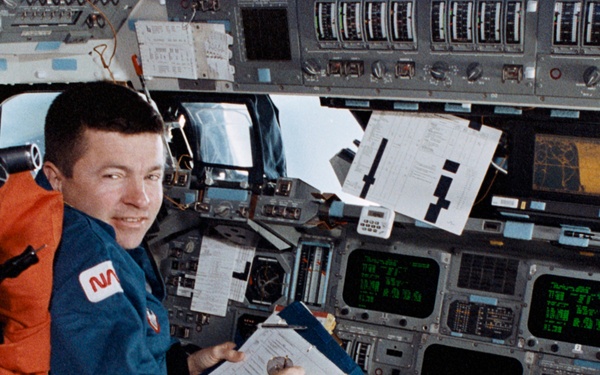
(519, 53)
(501, 52)
(420, 302)
(517, 293)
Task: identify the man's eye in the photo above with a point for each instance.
(155, 177)
(111, 176)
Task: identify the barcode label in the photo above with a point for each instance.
(505, 202)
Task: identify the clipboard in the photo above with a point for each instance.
(311, 347)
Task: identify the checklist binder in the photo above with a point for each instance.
(298, 314)
(296, 336)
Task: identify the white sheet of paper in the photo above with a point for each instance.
(213, 277)
(167, 49)
(213, 53)
(267, 343)
(222, 274)
(404, 159)
(241, 268)
(185, 50)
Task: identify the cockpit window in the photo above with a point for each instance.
(22, 120)
(312, 135)
(224, 131)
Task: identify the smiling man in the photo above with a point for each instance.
(105, 153)
(118, 180)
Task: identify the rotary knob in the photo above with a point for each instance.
(223, 210)
(378, 69)
(591, 76)
(439, 70)
(311, 67)
(474, 72)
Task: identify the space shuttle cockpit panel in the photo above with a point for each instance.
(563, 312)
(392, 285)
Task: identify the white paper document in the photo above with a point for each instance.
(425, 166)
(185, 50)
(222, 274)
(241, 272)
(267, 343)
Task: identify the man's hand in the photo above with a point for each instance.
(208, 357)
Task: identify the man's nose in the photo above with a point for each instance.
(136, 193)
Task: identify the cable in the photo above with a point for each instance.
(489, 188)
(180, 206)
(96, 49)
(187, 166)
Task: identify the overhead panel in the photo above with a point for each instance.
(68, 21)
(501, 52)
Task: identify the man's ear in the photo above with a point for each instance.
(54, 175)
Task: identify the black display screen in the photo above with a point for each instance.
(391, 283)
(447, 360)
(566, 309)
(267, 35)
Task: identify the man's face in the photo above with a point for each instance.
(119, 181)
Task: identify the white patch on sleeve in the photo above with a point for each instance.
(100, 282)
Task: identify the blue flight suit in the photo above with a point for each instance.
(106, 311)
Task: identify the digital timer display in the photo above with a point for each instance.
(377, 214)
(392, 283)
(566, 309)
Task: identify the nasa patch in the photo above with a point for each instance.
(152, 320)
(100, 282)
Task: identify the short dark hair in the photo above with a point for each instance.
(101, 106)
